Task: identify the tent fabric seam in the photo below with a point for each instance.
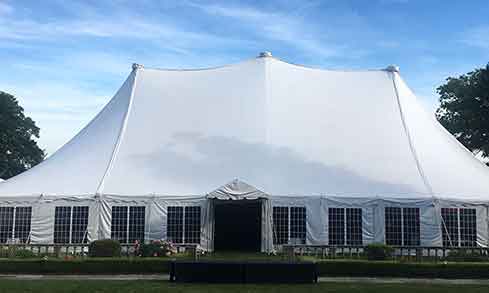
(409, 138)
(120, 135)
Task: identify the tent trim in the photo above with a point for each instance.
(409, 138)
(120, 136)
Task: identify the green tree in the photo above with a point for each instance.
(464, 109)
(18, 148)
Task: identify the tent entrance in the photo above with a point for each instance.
(237, 225)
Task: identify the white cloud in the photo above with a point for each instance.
(477, 37)
(283, 27)
(120, 25)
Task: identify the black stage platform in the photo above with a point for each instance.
(243, 272)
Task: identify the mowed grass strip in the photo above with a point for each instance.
(52, 286)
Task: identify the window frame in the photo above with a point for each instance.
(180, 225)
(336, 226)
(451, 225)
(411, 234)
(124, 234)
(346, 230)
(350, 239)
(175, 223)
(297, 223)
(192, 224)
(467, 238)
(12, 227)
(6, 223)
(21, 222)
(404, 229)
(72, 222)
(80, 221)
(280, 219)
(135, 223)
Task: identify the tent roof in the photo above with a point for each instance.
(236, 190)
(286, 129)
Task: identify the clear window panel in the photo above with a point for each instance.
(280, 217)
(393, 228)
(136, 224)
(22, 223)
(62, 222)
(336, 226)
(354, 234)
(468, 228)
(174, 224)
(411, 226)
(119, 224)
(79, 224)
(449, 227)
(298, 225)
(6, 223)
(192, 224)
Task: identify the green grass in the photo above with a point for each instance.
(163, 286)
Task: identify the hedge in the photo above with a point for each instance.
(403, 270)
(86, 266)
(328, 268)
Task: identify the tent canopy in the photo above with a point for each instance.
(283, 128)
(236, 190)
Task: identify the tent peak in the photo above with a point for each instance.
(264, 54)
(136, 66)
(236, 190)
(392, 68)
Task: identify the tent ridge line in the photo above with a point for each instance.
(122, 129)
(409, 138)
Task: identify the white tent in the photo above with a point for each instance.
(292, 135)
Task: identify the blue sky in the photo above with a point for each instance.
(65, 59)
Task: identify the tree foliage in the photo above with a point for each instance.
(18, 148)
(464, 109)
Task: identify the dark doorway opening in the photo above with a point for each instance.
(237, 225)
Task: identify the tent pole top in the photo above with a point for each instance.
(264, 54)
(136, 66)
(392, 68)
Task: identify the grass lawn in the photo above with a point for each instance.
(163, 286)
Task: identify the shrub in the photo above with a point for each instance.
(466, 255)
(16, 252)
(156, 248)
(24, 253)
(104, 248)
(378, 251)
